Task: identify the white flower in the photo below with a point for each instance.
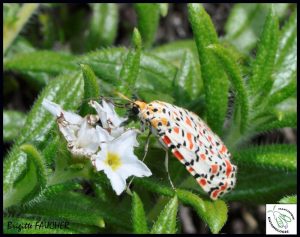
(118, 161)
(83, 139)
(109, 118)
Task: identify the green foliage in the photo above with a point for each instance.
(103, 25)
(13, 121)
(288, 200)
(255, 63)
(215, 81)
(91, 89)
(138, 216)
(166, 221)
(148, 27)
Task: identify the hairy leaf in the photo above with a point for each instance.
(65, 90)
(25, 179)
(41, 61)
(131, 66)
(273, 157)
(91, 89)
(286, 58)
(261, 80)
(258, 185)
(138, 216)
(215, 81)
(233, 71)
(103, 25)
(13, 121)
(166, 221)
(214, 213)
(245, 23)
(147, 26)
(71, 206)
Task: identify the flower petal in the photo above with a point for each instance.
(53, 108)
(107, 114)
(117, 182)
(125, 142)
(57, 111)
(137, 168)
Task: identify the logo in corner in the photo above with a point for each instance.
(281, 219)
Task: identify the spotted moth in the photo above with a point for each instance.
(192, 142)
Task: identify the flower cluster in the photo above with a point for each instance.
(109, 146)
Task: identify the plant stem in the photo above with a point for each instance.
(11, 32)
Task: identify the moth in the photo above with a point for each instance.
(192, 142)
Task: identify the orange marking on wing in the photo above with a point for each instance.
(154, 123)
(228, 167)
(189, 137)
(203, 157)
(176, 130)
(164, 121)
(191, 169)
(202, 182)
(166, 140)
(178, 155)
(188, 122)
(214, 168)
(223, 149)
(209, 138)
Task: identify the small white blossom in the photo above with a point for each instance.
(109, 118)
(118, 161)
(83, 139)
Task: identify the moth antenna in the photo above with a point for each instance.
(124, 97)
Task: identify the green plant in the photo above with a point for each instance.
(43, 181)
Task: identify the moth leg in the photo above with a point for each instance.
(167, 168)
(145, 154)
(146, 146)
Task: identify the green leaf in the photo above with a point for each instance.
(284, 93)
(214, 213)
(274, 157)
(234, 73)
(286, 58)
(131, 66)
(258, 185)
(91, 89)
(154, 185)
(245, 23)
(166, 222)
(103, 25)
(41, 61)
(70, 206)
(65, 90)
(261, 80)
(13, 27)
(155, 73)
(183, 82)
(282, 115)
(21, 45)
(138, 216)
(23, 179)
(288, 200)
(147, 26)
(214, 79)
(13, 121)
